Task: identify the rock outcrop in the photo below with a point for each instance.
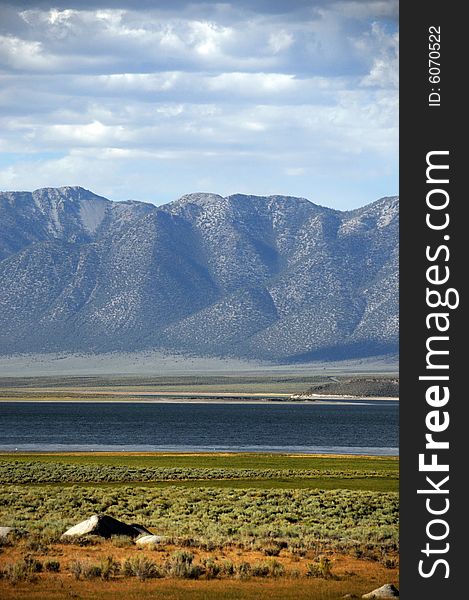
(6, 532)
(149, 540)
(105, 526)
(384, 592)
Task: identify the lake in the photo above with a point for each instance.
(367, 427)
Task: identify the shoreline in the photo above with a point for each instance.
(185, 453)
(149, 398)
(198, 453)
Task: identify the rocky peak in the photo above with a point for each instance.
(273, 277)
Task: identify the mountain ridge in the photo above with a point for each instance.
(268, 277)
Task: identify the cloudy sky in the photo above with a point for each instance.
(153, 99)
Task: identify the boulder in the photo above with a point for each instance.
(385, 591)
(105, 526)
(5, 532)
(147, 540)
(141, 529)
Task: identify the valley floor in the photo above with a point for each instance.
(246, 526)
(230, 388)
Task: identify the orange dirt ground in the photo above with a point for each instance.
(351, 576)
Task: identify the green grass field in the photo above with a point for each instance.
(269, 471)
(252, 517)
(243, 508)
(214, 460)
(71, 483)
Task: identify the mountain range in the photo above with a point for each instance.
(276, 278)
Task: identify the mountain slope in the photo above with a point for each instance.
(277, 278)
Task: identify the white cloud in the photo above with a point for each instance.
(250, 84)
(295, 171)
(252, 95)
(383, 47)
(280, 41)
(90, 134)
(24, 54)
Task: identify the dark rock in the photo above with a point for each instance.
(141, 529)
(105, 526)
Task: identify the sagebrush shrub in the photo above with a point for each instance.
(109, 567)
(322, 568)
(181, 565)
(141, 567)
(24, 569)
(83, 569)
(53, 566)
(243, 570)
(212, 568)
(271, 550)
(121, 541)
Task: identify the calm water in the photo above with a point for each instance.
(368, 427)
